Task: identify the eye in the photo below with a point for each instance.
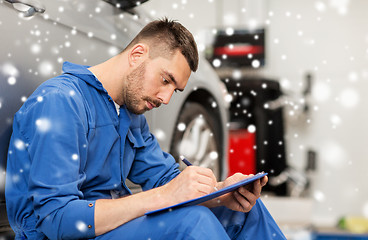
(164, 80)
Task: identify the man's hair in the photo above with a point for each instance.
(166, 36)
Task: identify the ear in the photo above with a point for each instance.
(138, 53)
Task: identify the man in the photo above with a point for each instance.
(80, 135)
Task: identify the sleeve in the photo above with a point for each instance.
(56, 129)
(152, 167)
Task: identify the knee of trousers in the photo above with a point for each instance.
(198, 218)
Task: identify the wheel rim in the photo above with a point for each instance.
(198, 144)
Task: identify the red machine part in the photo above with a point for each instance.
(242, 156)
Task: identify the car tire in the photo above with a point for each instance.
(197, 137)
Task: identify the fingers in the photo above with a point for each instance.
(264, 181)
(245, 198)
(244, 204)
(202, 179)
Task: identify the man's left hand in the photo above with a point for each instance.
(244, 198)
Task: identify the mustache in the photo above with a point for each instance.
(155, 102)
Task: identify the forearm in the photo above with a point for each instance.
(111, 213)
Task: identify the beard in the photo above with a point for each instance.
(135, 101)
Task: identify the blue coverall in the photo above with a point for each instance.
(69, 147)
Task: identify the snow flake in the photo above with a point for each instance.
(256, 63)
(15, 178)
(10, 70)
(340, 5)
(335, 120)
(161, 224)
(75, 157)
(214, 155)
(319, 196)
(228, 98)
(216, 63)
(251, 128)
(113, 36)
(45, 68)
(349, 98)
(43, 124)
(353, 77)
(160, 134)
(237, 74)
(81, 226)
(35, 48)
(19, 144)
(229, 31)
(214, 104)
(321, 91)
(181, 127)
(113, 51)
(320, 6)
(12, 80)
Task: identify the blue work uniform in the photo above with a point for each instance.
(69, 147)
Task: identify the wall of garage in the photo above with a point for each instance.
(329, 40)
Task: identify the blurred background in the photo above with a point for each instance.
(296, 75)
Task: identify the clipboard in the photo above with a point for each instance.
(210, 196)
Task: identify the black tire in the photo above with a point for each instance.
(200, 141)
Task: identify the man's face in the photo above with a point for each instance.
(154, 81)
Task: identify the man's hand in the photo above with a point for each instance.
(244, 198)
(191, 183)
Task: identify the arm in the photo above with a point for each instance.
(193, 182)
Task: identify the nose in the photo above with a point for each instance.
(165, 96)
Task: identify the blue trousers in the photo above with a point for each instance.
(198, 222)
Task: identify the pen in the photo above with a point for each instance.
(186, 162)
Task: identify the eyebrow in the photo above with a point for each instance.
(172, 78)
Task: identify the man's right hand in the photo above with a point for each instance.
(191, 183)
